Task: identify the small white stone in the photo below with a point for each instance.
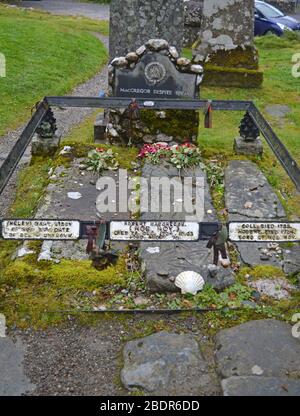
(157, 44)
(257, 371)
(141, 50)
(198, 69)
(132, 57)
(74, 195)
(183, 61)
(153, 250)
(173, 52)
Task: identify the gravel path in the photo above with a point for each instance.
(69, 8)
(84, 360)
(66, 120)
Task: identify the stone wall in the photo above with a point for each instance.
(287, 6)
(134, 22)
(192, 20)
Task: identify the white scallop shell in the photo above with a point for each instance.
(190, 282)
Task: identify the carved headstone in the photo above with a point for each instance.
(154, 70)
(226, 43)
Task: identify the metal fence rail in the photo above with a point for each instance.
(280, 151)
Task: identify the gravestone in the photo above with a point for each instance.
(133, 22)
(286, 6)
(192, 21)
(154, 70)
(226, 44)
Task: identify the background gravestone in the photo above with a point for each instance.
(226, 44)
(287, 6)
(134, 22)
(193, 10)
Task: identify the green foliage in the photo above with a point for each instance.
(100, 160)
(45, 55)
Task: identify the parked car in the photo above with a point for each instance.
(268, 19)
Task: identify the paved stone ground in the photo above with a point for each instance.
(164, 261)
(70, 8)
(254, 358)
(82, 360)
(257, 358)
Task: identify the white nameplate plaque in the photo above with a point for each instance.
(154, 231)
(264, 231)
(40, 229)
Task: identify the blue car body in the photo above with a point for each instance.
(268, 19)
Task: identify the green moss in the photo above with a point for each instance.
(79, 275)
(261, 272)
(177, 123)
(240, 58)
(232, 77)
(30, 187)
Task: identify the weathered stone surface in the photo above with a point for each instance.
(174, 257)
(226, 42)
(221, 278)
(245, 184)
(166, 364)
(268, 344)
(226, 25)
(287, 6)
(13, 381)
(278, 110)
(260, 386)
(100, 129)
(252, 148)
(192, 21)
(42, 146)
(274, 288)
(134, 22)
(291, 257)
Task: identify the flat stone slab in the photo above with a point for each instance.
(292, 260)
(162, 262)
(13, 381)
(260, 386)
(278, 110)
(266, 348)
(166, 364)
(249, 197)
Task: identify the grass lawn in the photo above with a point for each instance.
(45, 55)
(279, 87)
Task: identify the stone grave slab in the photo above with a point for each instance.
(162, 262)
(166, 364)
(249, 197)
(291, 257)
(265, 348)
(260, 386)
(13, 381)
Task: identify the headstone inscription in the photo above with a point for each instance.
(155, 76)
